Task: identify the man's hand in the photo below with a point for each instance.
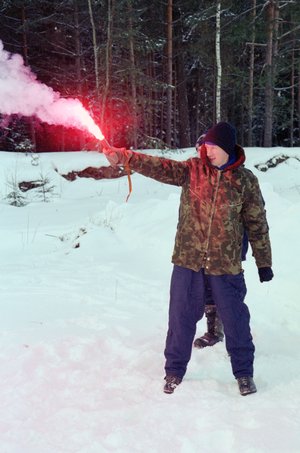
(117, 156)
(265, 274)
(70, 176)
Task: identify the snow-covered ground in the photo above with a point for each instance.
(84, 301)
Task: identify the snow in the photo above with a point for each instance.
(84, 296)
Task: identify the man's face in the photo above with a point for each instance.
(216, 155)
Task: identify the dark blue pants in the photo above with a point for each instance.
(187, 301)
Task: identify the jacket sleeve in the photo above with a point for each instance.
(167, 171)
(256, 225)
(95, 173)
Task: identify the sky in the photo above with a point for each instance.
(84, 294)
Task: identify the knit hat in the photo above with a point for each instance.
(223, 135)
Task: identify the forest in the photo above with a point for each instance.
(157, 74)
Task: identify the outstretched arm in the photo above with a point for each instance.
(167, 171)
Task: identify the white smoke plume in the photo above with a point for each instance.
(21, 93)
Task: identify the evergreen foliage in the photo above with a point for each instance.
(120, 72)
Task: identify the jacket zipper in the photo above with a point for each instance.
(212, 212)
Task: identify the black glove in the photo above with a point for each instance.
(265, 274)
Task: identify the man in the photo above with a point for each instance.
(215, 331)
(219, 198)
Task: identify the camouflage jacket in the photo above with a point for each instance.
(215, 206)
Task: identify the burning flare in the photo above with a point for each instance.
(21, 93)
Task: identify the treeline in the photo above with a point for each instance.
(159, 73)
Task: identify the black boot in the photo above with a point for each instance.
(246, 385)
(214, 332)
(171, 383)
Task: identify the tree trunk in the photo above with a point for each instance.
(271, 52)
(108, 63)
(299, 102)
(77, 61)
(77, 48)
(218, 63)
(169, 72)
(95, 46)
(292, 94)
(182, 102)
(151, 95)
(251, 76)
(30, 121)
(132, 72)
(181, 98)
(24, 36)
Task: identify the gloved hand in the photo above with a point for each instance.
(117, 156)
(70, 176)
(265, 274)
